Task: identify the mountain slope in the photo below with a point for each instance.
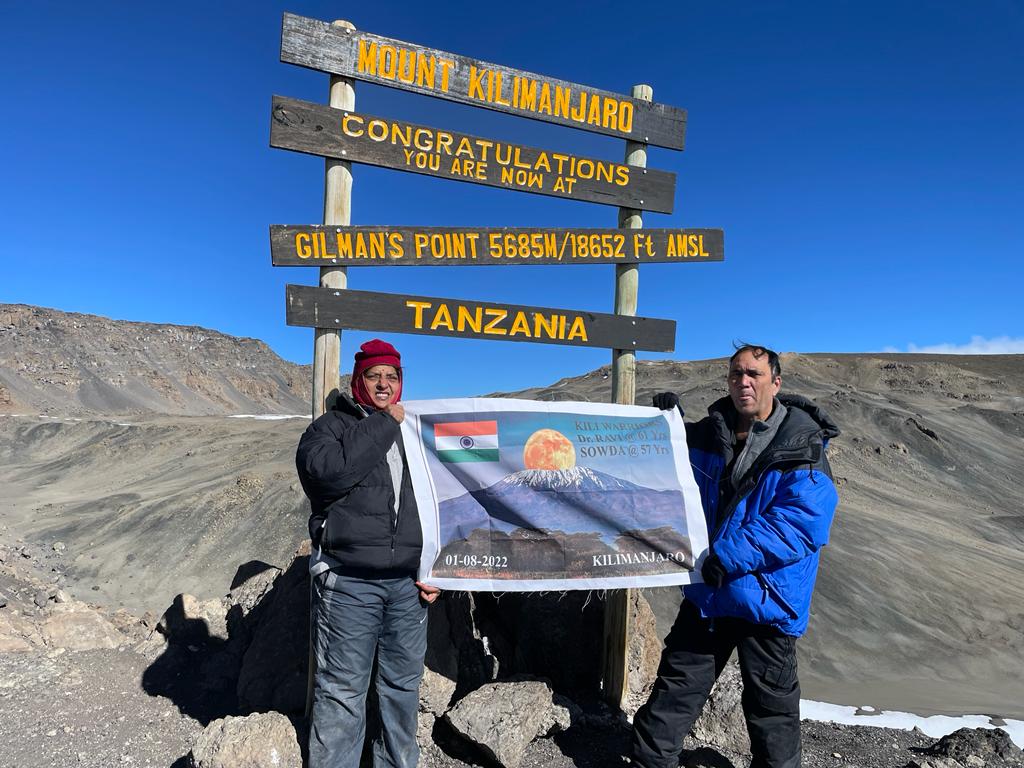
(63, 363)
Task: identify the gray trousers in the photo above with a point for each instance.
(355, 618)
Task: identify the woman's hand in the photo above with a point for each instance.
(428, 593)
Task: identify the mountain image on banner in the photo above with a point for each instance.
(572, 518)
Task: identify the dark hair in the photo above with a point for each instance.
(758, 351)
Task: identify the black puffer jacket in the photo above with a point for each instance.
(343, 467)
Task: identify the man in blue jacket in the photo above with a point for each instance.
(768, 496)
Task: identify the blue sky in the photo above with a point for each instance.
(864, 159)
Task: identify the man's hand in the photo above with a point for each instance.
(666, 401)
(428, 593)
(713, 572)
(396, 411)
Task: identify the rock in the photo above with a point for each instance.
(192, 621)
(273, 669)
(17, 634)
(642, 655)
(60, 596)
(41, 598)
(503, 718)
(982, 742)
(436, 693)
(59, 546)
(935, 762)
(257, 741)
(3, 600)
(80, 629)
(721, 723)
(252, 582)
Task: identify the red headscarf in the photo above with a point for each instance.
(374, 352)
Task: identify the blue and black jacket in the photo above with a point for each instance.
(768, 532)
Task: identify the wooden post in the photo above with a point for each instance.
(617, 624)
(337, 212)
(327, 342)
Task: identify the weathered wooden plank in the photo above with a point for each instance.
(320, 130)
(316, 245)
(371, 311)
(397, 64)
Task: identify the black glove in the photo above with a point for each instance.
(666, 401)
(713, 572)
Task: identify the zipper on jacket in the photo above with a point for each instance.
(738, 497)
(771, 590)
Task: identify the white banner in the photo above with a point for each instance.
(520, 495)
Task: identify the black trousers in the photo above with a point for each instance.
(696, 651)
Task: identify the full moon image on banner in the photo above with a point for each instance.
(549, 449)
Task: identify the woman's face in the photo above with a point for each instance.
(381, 382)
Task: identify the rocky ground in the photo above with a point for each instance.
(83, 685)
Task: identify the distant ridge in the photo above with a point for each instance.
(64, 363)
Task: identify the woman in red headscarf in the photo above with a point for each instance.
(366, 550)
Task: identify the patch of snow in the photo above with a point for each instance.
(934, 725)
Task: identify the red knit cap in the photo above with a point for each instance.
(374, 352)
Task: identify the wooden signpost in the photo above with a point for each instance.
(428, 315)
(397, 64)
(343, 136)
(358, 138)
(316, 245)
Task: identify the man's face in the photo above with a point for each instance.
(381, 383)
(752, 386)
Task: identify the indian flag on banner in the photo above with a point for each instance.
(466, 440)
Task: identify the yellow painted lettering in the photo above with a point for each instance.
(542, 163)
(348, 130)
(626, 116)
(544, 105)
(543, 324)
(578, 330)
(361, 252)
(518, 161)
(443, 317)
(419, 243)
(446, 67)
(498, 87)
(611, 108)
(367, 60)
(473, 322)
(621, 175)
(396, 247)
(388, 63)
(670, 248)
(425, 71)
(465, 147)
(418, 306)
(700, 240)
(520, 325)
(343, 241)
(302, 249)
(422, 139)
(581, 108)
(594, 111)
(377, 130)
(498, 315)
(406, 66)
(444, 142)
(476, 83)
(527, 94)
(401, 134)
(376, 245)
(563, 95)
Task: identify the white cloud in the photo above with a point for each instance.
(978, 345)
